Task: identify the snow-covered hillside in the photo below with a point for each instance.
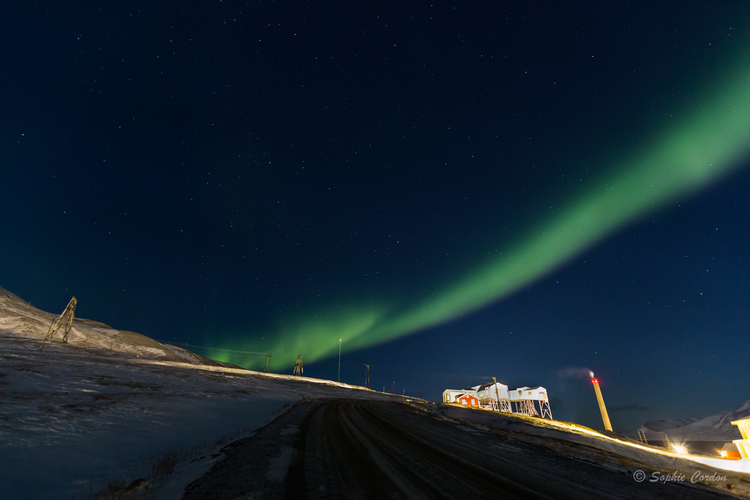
(112, 407)
(716, 427)
(22, 320)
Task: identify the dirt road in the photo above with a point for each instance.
(368, 449)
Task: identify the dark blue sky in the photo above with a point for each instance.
(206, 173)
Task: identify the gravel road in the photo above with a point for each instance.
(352, 449)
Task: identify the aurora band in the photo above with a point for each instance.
(708, 145)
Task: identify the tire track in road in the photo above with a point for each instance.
(331, 459)
(352, 451)
(295, 482)
(346, 461)
(444, 465)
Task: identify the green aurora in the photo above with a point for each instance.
(710, 144)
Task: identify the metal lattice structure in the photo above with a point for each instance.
(64, 321)
(298, 366)
(267, 368)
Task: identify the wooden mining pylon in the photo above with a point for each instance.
(298, 366)
(64, 321)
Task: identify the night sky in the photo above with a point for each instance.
(457, 191)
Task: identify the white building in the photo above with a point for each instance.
(494, 396)
(743, 445)
(533, 393)
(488, 391)
(523, 399)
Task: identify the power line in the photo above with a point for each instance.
(193, 346)
(426, 374)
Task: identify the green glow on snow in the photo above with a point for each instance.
(708, 145)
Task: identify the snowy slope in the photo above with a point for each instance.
(20, 319)
(111, 407)
(716, 427)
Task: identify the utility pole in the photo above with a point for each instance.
(497, 394)
(268, 363)
(339, 378)
(367, 376)
(392, 387)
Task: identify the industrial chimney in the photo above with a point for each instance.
(600, 399)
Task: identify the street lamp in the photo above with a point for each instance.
(339, 378)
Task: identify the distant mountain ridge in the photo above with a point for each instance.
(716, 427)
(20, 319)
(667, 425)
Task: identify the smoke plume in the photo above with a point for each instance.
(575, 372)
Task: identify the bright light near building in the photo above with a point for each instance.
(678, 448)
(733, 465)
(723, 454)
